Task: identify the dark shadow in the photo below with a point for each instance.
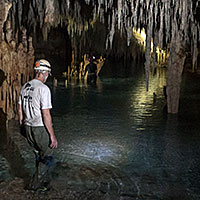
(2, 114)
(10, 151)
(3, 118)
(2, 77)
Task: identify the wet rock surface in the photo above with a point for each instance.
(77, 179)
(89, 181)
(81, 178)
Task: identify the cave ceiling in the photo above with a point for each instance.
(162, 19)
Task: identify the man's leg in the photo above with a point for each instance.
(34, 184)
(44, 156)
(38, 138)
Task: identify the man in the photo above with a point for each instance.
(91, 68)
(34, 115)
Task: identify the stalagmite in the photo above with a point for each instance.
(175, 68)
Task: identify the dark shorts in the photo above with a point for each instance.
(39, 139)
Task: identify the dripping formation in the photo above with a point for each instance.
(170, 25)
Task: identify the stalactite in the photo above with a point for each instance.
(129, 32)
(194, 48)
(161, 27)
(111, 34)
(13, 13)
(119, 17)
(147, 56)
(87, 1)
(110, 4)
(40, 10)
(165, 20)
(106, 5)
(49, 16)
(148, 47)
(30, 21)
(155, 45)
(19, 11)
(68, 4)
(137, 12)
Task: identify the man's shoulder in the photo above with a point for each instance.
(36, 84)
(39, 84)
(27, 84)
(44, 88)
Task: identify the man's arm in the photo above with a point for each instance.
(20, 114)
(48, 124)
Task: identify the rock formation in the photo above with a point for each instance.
(172, 25)
(16, 61)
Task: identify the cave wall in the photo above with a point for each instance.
(16, 62)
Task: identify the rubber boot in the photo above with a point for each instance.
(35, 183)
(43, 171)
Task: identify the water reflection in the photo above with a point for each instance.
(97, 122)
(73, 82)
(144, 103)
(122, 125)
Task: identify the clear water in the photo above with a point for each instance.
(119, 123)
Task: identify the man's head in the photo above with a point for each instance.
(42, 69)
(92, 58)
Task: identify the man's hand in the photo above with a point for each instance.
(54, 142)
(48, 124)
(20, 114)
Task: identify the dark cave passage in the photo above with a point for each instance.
(56, 48)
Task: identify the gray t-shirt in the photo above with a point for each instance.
(34, 97)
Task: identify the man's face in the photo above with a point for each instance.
(46, 75)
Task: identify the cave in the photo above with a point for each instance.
(147, 57)
(56, 49)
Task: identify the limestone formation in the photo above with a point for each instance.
(16, 61)
(164, 22)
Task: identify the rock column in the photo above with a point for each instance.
(174, 73)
